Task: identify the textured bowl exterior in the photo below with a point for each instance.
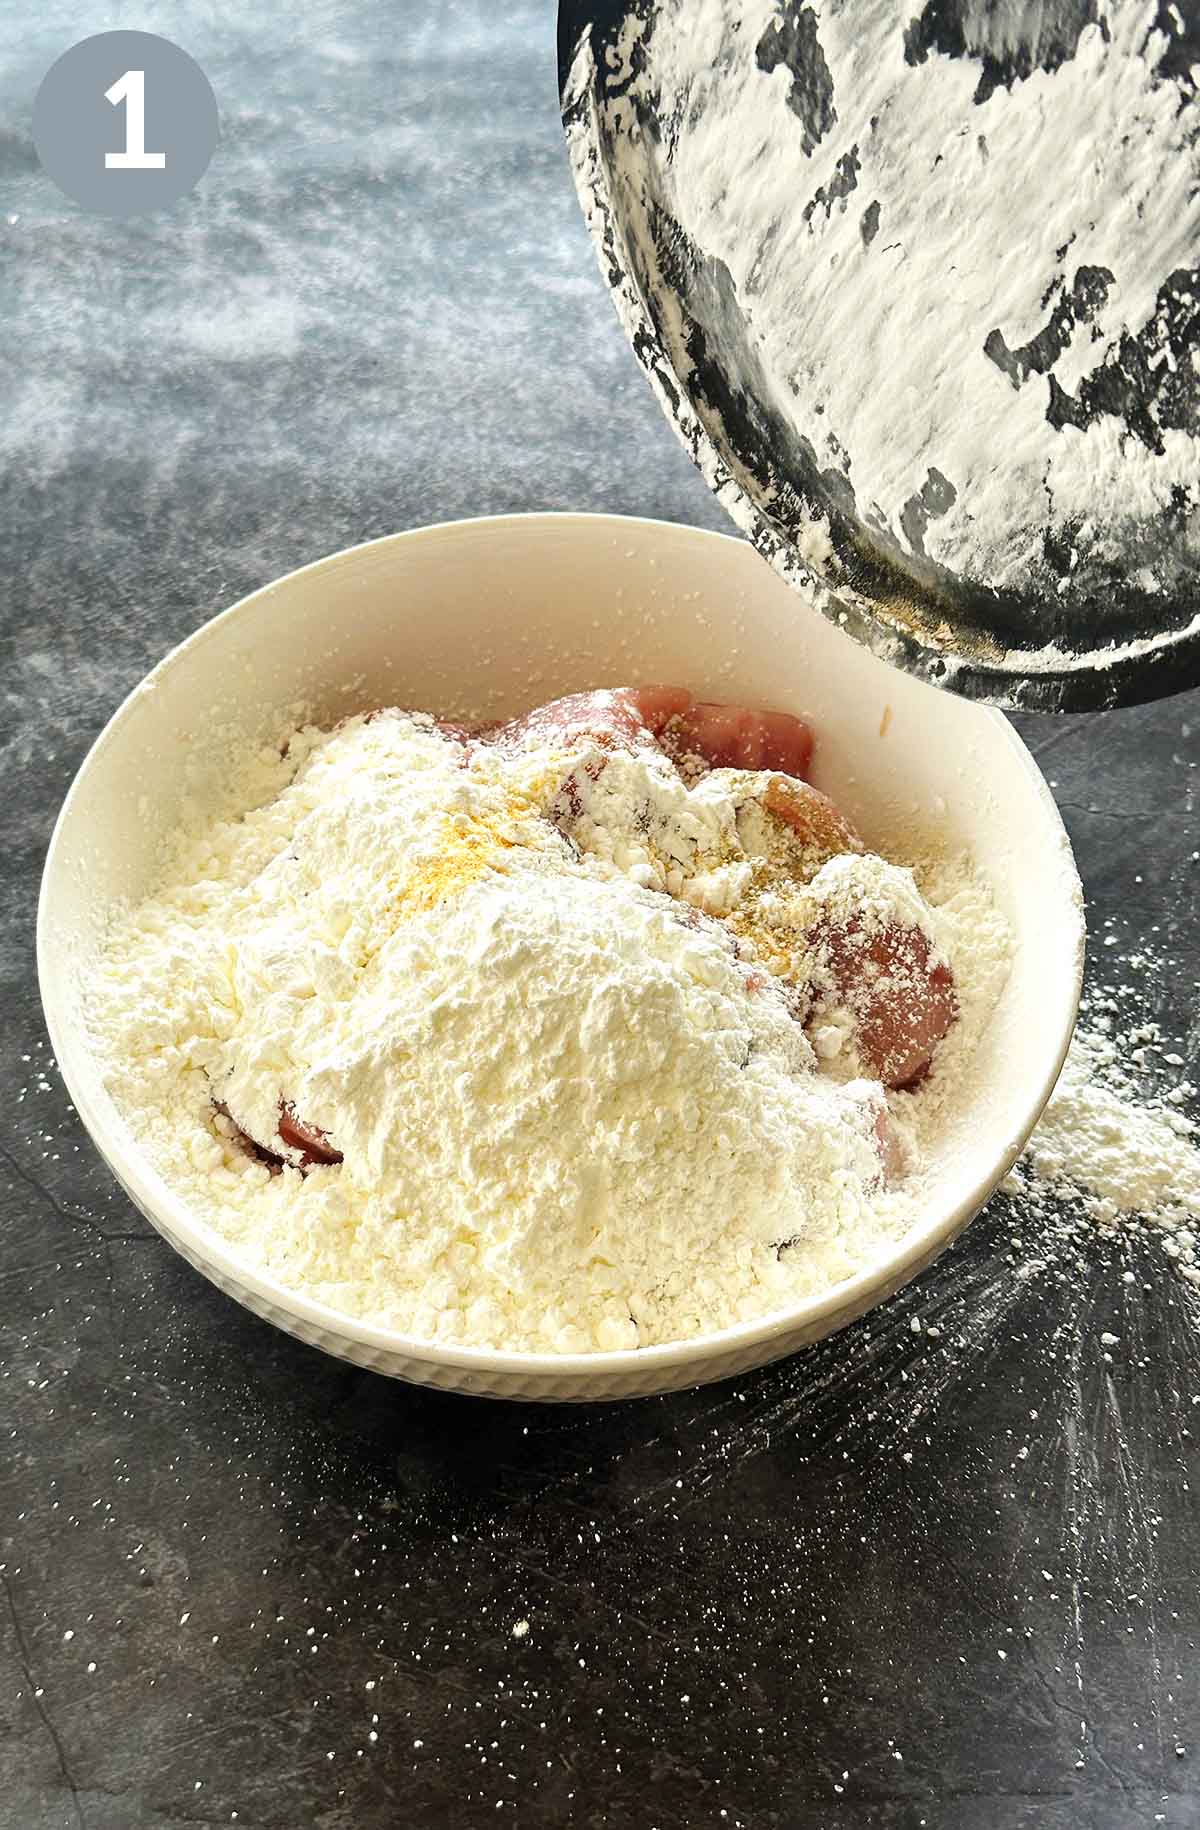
(382, 597)
(517, 1376)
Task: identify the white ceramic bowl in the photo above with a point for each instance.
(489, 617)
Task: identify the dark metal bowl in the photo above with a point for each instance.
(1119, 603)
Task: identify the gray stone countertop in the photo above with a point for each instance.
(906, 1579)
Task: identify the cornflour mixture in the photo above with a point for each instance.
(550, 1039)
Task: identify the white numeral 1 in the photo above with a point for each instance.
(131, 89)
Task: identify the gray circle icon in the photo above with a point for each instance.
(125, 122)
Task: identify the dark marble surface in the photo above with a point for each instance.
(907, 1579)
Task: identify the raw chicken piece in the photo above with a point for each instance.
(891, 1155)
(625, 718)
(311, 1142)
(901, 1001)
(810, 814)
(734, 737)
(723, 736)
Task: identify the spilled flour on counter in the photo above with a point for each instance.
(1121, 1155)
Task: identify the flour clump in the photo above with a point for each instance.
(524, 1037)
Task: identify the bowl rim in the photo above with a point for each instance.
(150, 1191)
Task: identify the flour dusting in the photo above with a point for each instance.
(516, 1033)
(1123, 1155)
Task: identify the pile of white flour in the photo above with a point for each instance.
(568, 1118)
(1124, 1156)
